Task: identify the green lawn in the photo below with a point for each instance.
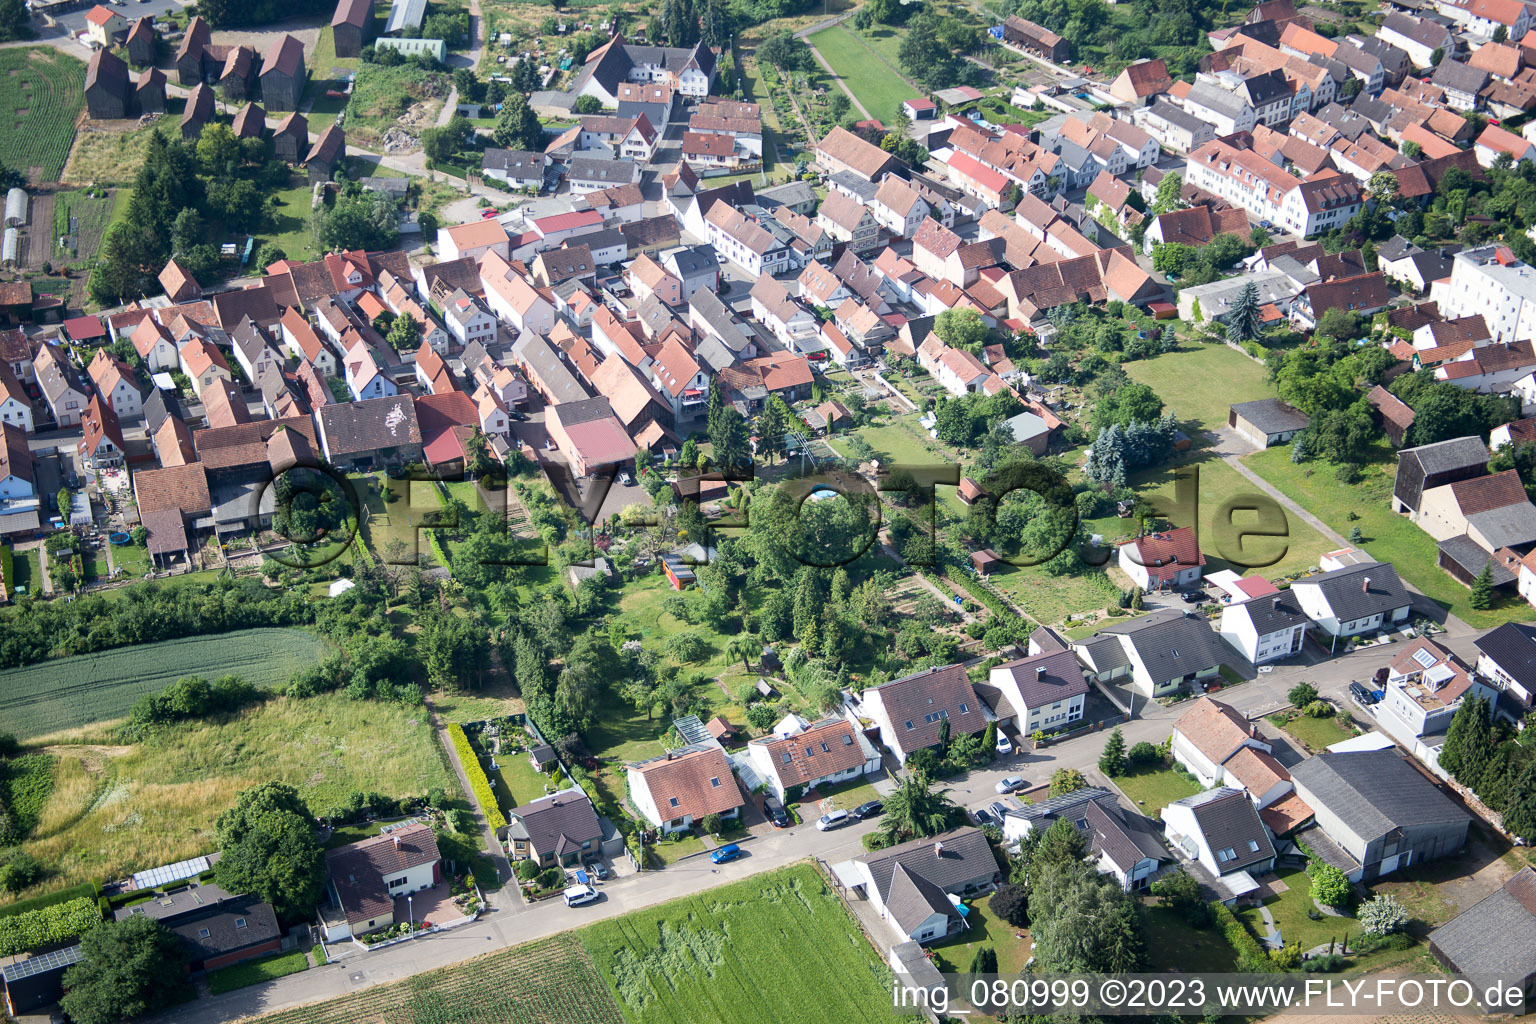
(132, 559)
(778, 946)
(1172, 945)
(671, 853)
(290, 219)
(1198, 383)
(847, 795)
(877, 86)
(1152, 789)
(1050, 599)
(1012, 945)
(1271, 557)
(278, 965)
(1317, 733)
(29, 571)
(1388, 536)
(497, 699)
(1290, 913)
(517, 783)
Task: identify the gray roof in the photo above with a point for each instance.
(714, 353)
(1349, 123)
(847, 181)
(1511, 526)
(535, 351)
(1229, 821)
(1176, 115)
(792, 193)
(694, 259)
(1374, 791)
(158, 406)
(609, 172)
(1126, 838)
(1350, 597)
(517, 163)
(1046, 678)
(1395, 248)
(1214, 97)
(1512, 647)
(1271, 415)
(1072, 806)
(237, 924)
(1171, 645)
(1271, 613)
(353, 428)
(1496, 936)
(1104, 651)
(405, 14)
(1426, 33)
(1446, 456)
(912, 899)
(966, 858)
(1328, 851)
(656, 113)
(1025, 425)
(1454, 76)
(557, 824)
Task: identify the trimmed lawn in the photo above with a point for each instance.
(777, 946)
(1317, 733)
(29, 571)
(132, 559)
(290, 222)
(1271, 557)
(671, 853)
(1012, 945)
(517, 782)
(252, 972)
(1172, 945)
(902, 442)
(1388, 536)
(847, 795)
(874, 82)
(1290, 913)
(1197, 384)
(1153, 789)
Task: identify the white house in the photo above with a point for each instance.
(1220, 747)
(1354, 600)
(154, 345)
(1044, 691)
(15, 404)
(513, 298)
(1220, 829)
(364, 378)
(1170, 560)
(1425, 687)
(681, 787)
(365, 878)
(910, 885)
(830, 751)
(467, 318)
(1265, 628)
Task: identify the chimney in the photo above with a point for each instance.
(1039, 671)
(1365, 585)
(938, 849)
(397, 842)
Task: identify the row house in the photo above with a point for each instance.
(775, 308)
(849, 221)
(513, 298)
(745, 242)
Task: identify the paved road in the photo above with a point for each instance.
(469, 59)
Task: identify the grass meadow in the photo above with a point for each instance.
(872, 80)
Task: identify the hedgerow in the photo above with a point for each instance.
(478, 783)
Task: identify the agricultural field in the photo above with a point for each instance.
(82, 220)
(111, 152)
(876, 83)
(780, 946)
(547, 982)
(115, 808)
(71, 692)
(41, 93)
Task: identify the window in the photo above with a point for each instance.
(397, 882)
(239, 922)
(672, 802)
(714, 783)
(824, 749)
(847, 741)
(910, 727)
(1253, 846)
(788, 757)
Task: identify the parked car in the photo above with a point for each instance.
(1004, 744)
(599, 870)
(1360, 693)
(521, 417)
(982, 817)
(868, 810)
(1011, 784)
(728, 852)
(775, 812)
(576, 895)
(1191, 596)
(831, 820)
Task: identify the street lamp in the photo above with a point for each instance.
(410, 910)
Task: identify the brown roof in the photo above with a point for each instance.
(826, 748)
(693, 782)
(1256, 770)
(935, 238)
(175, 487)
(1392, 408)
(245, 444)
(626, 389)
(1284, 815)
(1165, 554)
(286, 56)
(1486, 493)
(1215, 729)
(251, 122)
(865, 159)
(352, 12)
(357, 870)
(927, 698)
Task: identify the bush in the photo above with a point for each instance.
(1319, 709)
(21, 871)
(1251, 957)
(1143, 754)
(551, 878)
(1383, 915)
(1011, 903)
(47, 925)
(1328, 963)
(713, 824)
(1329, 886)
(1302, 694)
(485, 795)
(1287, 958)
(875, 841)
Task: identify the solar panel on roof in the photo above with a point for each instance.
(166, 873)
(1423, 657)
(42, 963)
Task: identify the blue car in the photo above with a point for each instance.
(728, 852)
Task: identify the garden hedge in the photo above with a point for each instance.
(485, 794)
(47, 925)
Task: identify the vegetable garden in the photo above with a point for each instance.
(41, 93)
(780, 946)
(70, 692)
(546, 982)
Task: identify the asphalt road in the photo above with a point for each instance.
(74, 21)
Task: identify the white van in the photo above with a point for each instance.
(834, 819)
(576, 895)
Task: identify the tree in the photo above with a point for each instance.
(1329, 886)
(1180, 892)
(405, 333)
(589, 105)
(985, 961)
(359, 218)
(1501, 34)
(20, 871)
(15, 23)
(1469, 741)
(1245, 322)
(1437, 56)
(1301, 695)
(518, 126)
(914, 810)
(1482, 588)
(1082, 921)
(131, 967)
(1067, 780)
(1382, 915)
(785, 52)
(773, 426)
(1112, 761)
(1169, 195)
(729, 437)
(1011, 903)
(1356, 536)
(963, 329)
(269, 848)
(445, 143)
(1412, 150)
(218, 151)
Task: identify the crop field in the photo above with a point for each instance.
(106, 154)
(83, 219)
(71, 692)
(877, 85)
(780, 946)
(41, 93)
(115, 808)
(546, 982)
